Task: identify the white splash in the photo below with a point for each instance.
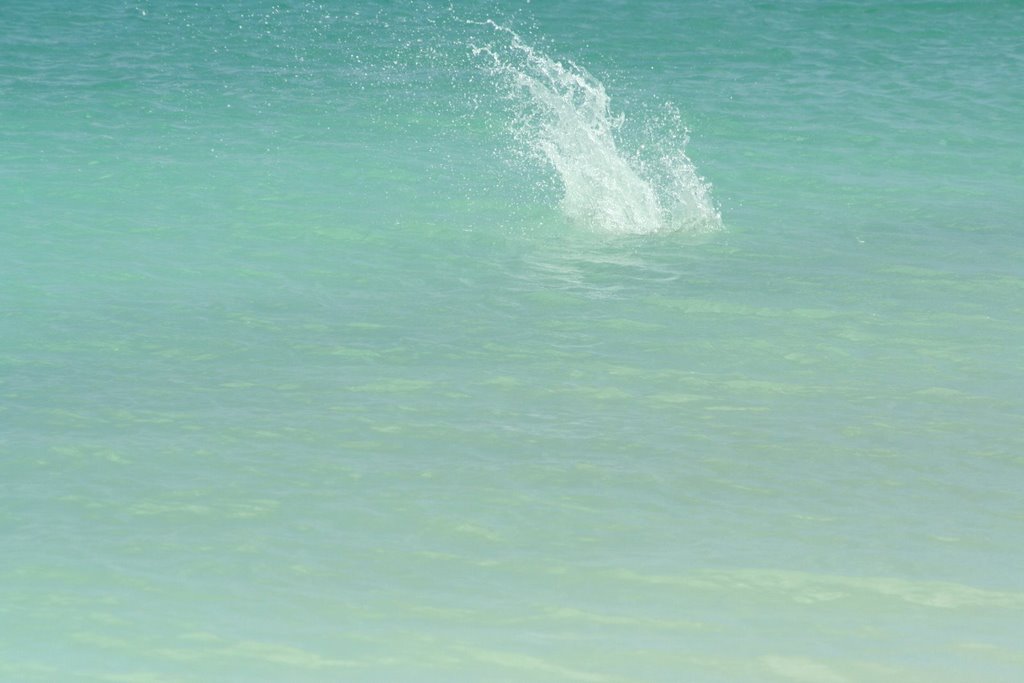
(562, 117)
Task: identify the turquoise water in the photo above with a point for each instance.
(579, 341)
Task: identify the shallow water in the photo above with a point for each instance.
(339, 344)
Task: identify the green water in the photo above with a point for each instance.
(579, 342)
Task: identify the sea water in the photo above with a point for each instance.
(578, 341)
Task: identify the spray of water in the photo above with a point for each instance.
(561, 116)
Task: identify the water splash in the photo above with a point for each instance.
(561, 116)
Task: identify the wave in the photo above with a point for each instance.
(561, 117)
